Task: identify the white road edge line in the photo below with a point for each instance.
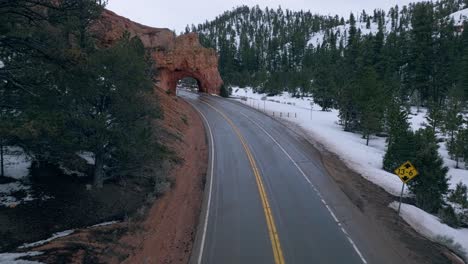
(315, 189)
(205, 225)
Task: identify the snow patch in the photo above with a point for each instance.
(104, 224)
(17, 163)
(42, 242)
(8, 191)
(88, 156)
(317, 39)
(431, 226)
(460, 17)
(15, 258)
(1, 64)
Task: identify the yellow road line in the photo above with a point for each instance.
(274, 237)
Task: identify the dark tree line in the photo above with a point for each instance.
(60, 94)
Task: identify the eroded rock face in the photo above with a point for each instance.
(176, 57)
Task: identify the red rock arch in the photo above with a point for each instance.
(175, 57)
(188, 59)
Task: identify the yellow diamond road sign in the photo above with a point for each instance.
(406, 172)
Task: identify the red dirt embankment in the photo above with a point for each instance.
(171, 223)
(166, 232)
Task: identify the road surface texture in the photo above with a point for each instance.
(269, 198)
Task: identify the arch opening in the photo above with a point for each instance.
(189, 83)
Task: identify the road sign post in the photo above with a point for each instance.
(264, 98)
(406, 172)
(401, 197)
(311, 109)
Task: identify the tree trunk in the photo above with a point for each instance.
(2, 170)
(368, 138)
(98, 171)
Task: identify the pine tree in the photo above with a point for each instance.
(109, 113)
(420, 64)
(370, 103)
(453, 123)
(434, 116)
(431, 185)
(400, 143)
(464, 65)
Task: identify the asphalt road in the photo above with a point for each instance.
(269, 199)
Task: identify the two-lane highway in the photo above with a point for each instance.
(269, 199)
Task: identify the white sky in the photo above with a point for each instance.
(176, 14)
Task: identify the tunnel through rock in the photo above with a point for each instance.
(189, 83)
(175, 57)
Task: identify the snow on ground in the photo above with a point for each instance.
(17, 167)
(460, 17)
(431, 227)
(104, 224)
(15, 258)
(8, 191)
(42, 242)
(88, 156)
(1, 64)
(316, 39)
(352, 149)
(17, 163)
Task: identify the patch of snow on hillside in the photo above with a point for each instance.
(1, 64)
(87, 156)
(431, 226)
(104, 224)
(42, 242)
(317, 39)
(15, 258)
(17, 163)
(460, 17)
(14, 193)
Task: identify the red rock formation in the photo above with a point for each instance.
(176, 57)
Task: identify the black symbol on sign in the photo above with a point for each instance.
(405, 178)
(407, 166)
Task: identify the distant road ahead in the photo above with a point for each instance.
(265, 200)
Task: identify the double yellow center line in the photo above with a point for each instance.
(273, 233)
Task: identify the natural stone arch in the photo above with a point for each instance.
(175, 57)
(188, 59)
(169, 79)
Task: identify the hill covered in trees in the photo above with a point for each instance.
(275, 49)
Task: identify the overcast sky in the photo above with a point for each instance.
(176, 14)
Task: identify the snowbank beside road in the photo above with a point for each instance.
(432, 228)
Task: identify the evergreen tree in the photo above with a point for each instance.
(400, 143)
(464, 65)
(453, 123)
(370, 103)
(434, 116)
(117, 136)
(431, 185)
(420, 62)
